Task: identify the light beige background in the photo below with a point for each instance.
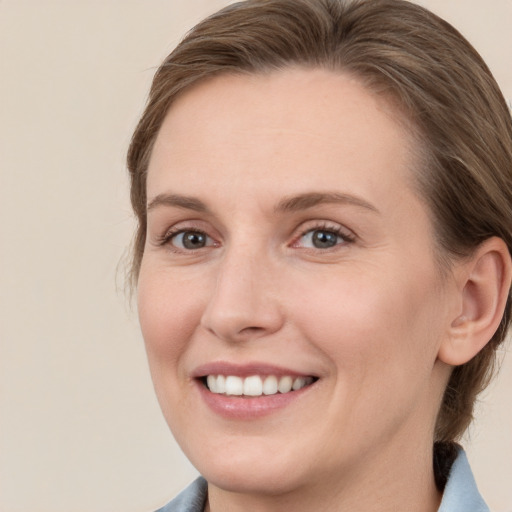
(80, 429)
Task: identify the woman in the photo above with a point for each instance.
(324, 196)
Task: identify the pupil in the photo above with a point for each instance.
(324, 239)
(194, 240)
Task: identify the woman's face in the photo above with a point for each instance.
(287, 247)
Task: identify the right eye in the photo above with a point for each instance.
(190, 240)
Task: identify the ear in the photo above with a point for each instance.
(485, 280)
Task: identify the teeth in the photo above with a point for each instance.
(270, 385)
(255, 385)
(221, 384)
(285, 384)
(234, 385)
(211, 381)
(298, 383)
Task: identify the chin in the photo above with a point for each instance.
(251, 471)
(252, 479)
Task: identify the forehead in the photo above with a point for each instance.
(299, 125)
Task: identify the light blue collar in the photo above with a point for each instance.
(461, 493)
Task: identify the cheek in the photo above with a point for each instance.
(169, 312)
(380, 338)
(373, 326)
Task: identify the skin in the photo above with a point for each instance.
(367, 316)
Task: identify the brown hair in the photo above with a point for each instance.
(396, 48)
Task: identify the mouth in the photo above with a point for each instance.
(255, 385)
(246, 392)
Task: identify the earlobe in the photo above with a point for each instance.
(486, 278)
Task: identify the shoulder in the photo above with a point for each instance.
(192, 499)
(461, 493)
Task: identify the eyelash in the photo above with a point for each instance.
(346, 236)
(166, 239)
(343, 233)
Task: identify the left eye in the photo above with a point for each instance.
(321, 239)
(191, 240)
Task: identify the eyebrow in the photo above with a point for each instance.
(309, 200)
(288, 204)
(178, 201)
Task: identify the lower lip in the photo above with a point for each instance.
(247, 408)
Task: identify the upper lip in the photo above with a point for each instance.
(245, 370)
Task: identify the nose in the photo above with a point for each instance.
(244, 303)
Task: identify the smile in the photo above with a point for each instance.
(255, 385)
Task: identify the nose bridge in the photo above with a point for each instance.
(243, 303)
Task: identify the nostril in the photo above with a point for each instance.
(251, 329)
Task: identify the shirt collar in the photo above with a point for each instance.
(461, 493)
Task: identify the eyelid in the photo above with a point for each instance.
(173, 240)
(165, 237)
(347, 235)
(340, 230)
(171, 234)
